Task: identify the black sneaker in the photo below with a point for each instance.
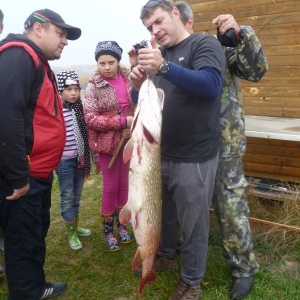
(53, 290)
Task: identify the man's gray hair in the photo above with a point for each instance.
(185, 10)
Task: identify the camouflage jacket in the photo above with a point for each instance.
(246, 61)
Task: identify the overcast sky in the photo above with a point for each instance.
(101, 20)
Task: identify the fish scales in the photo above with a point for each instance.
(144, 197)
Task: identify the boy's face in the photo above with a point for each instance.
(71, 93)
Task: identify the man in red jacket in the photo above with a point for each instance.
(32, 138)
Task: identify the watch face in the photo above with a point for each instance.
(163, 68)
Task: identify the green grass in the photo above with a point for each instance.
(94, 273)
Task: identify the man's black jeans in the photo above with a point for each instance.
(26, 222)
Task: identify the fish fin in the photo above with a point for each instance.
(137, 261)
(161, 97)
(125, 215)
(145, 281)
(128, 149)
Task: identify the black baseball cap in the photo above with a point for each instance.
(47, 15)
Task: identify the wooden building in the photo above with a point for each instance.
(277, 24)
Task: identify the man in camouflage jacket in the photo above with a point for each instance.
(245, 61)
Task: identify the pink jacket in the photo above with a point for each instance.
(102, 113)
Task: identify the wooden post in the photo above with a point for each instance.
(112, 161)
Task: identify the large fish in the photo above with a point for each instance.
(144, 196)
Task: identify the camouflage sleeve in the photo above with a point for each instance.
(248, 60)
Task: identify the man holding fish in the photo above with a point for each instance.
(190, 135)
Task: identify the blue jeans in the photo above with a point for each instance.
(26, 222)
(70, 180)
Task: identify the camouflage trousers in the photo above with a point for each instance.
(231, 209)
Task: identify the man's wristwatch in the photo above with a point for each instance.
(163, 69)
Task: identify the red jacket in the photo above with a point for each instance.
(32, 128)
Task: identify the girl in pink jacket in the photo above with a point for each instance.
(108, 114)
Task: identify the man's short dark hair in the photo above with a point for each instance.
(151, 5)
(1, 16)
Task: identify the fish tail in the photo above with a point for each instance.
(128, 149)
(145, 281)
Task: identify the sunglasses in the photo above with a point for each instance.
(154, 3)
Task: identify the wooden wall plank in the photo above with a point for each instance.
(280, 39)
(272, 101)
(272, 151)
(280, 177)
(274, 81)
(282, 71)
(279, 50)
(271, 142)
(272, 112)
(261, 91)
(273, 160)
(272, 169)
(290, 25)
